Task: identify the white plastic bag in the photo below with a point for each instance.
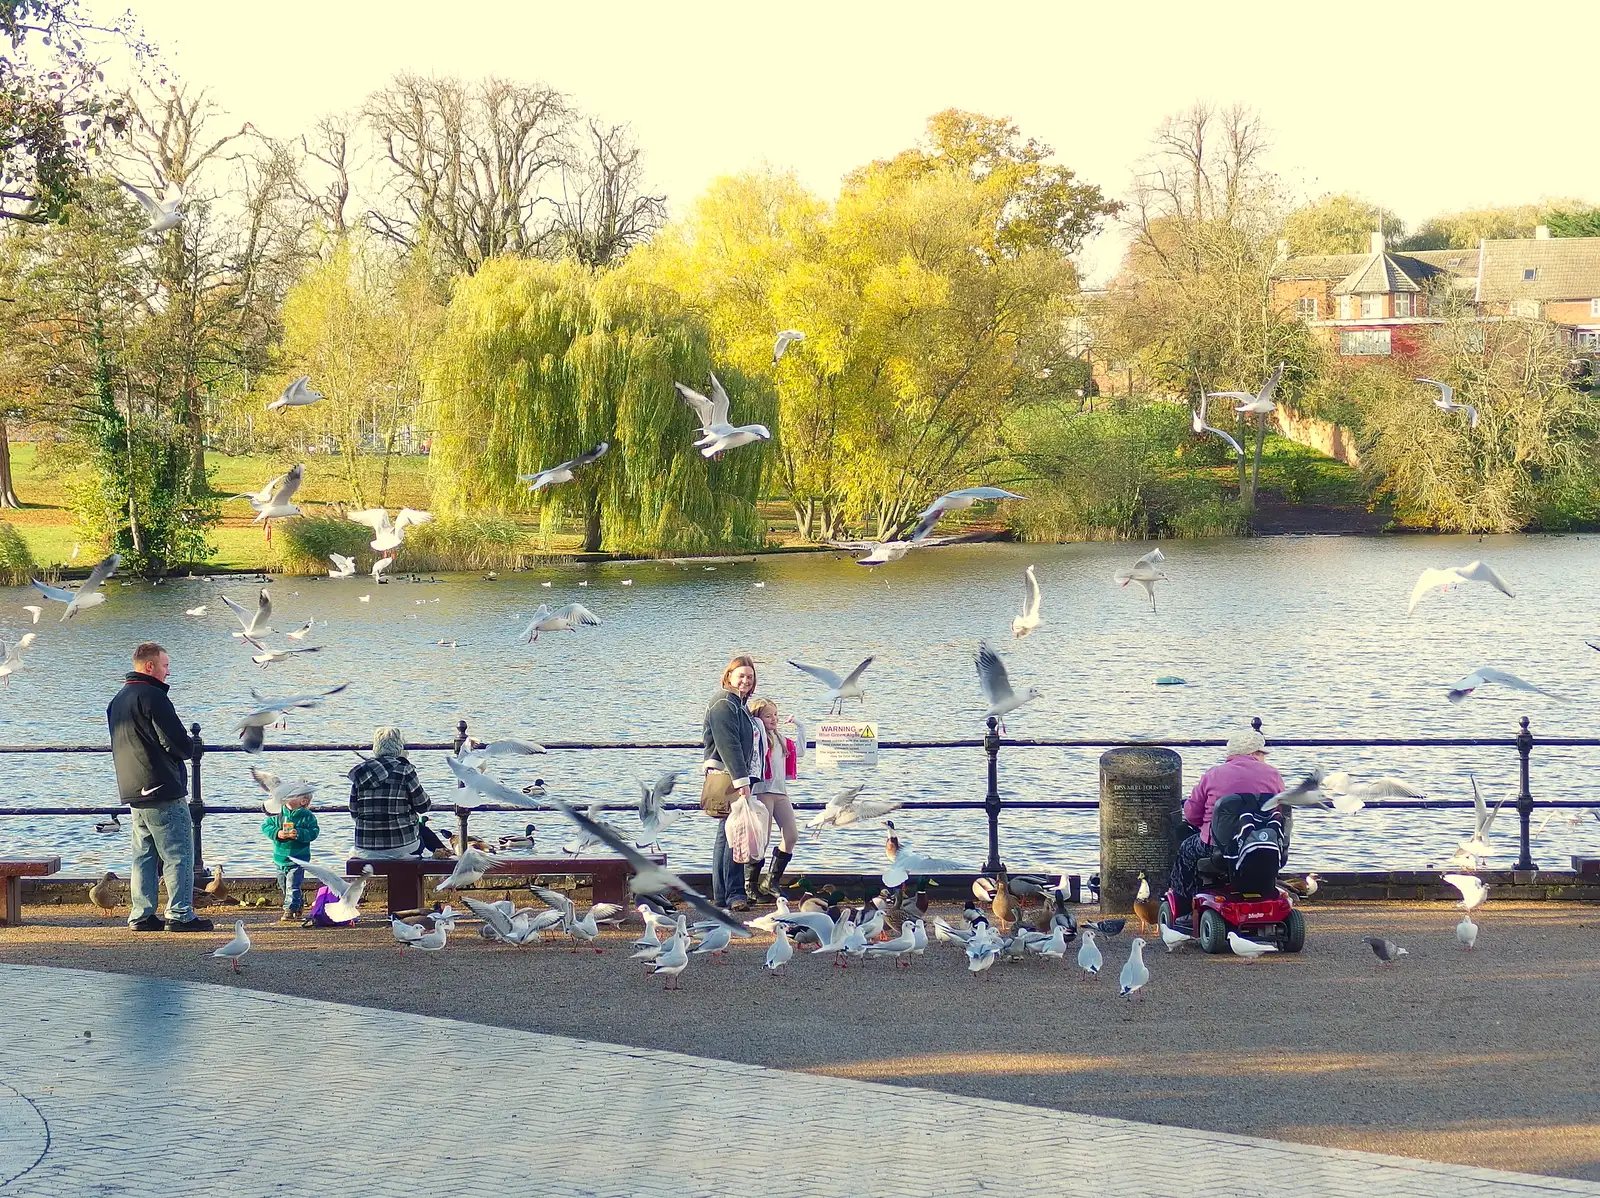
(749, 828)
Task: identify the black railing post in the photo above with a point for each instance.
(462, 813)
(197, 801)
(1524, 796)
(991, 801)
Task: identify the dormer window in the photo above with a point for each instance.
(1402, 303)
(1371, 306)
(1530, 273)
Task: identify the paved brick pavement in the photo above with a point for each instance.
(183, 1087)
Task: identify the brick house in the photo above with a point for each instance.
(1545, 278)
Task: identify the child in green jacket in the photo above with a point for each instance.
(291, 834)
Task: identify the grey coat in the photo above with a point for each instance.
(729, 737)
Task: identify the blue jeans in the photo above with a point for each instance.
(163, 843)
(290, 876)
(727, 875)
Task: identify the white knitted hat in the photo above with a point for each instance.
(1242, 744)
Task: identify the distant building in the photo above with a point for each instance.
(1382, 302)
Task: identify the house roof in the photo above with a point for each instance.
(1563, 268)
(1365, 273)
(1381, 273)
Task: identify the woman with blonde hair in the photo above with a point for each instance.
(778, 758)
(728, 735)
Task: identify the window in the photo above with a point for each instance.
(1347, 307)
(1364, 343)
(1371, 306)
(1530, 274)
(1588, 339)
(1594, 307)
(1306, 307)
(1402, 303)
(1454, 262)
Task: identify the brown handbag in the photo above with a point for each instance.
(716, 794)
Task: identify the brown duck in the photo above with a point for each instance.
(100, 894)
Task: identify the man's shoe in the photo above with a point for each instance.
(191, 925)
(739, 904)
(150, 923)
(290, 917)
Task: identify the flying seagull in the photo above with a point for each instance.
(1145, 573)
(278, 790)
(839, 689)
(1261, 402)
(346, 566)
(297, 394)
(1454, 576)
(785, 339)
(563, 619)
(86, 596)
(1487, 674)
(12, 661)
(390, 533)
(996, 686)
(164, 214)
(564, 472)
(1447, 403)
(720, 436)
(955, 501)
(255, 624)
(1201, 428)
(1029, 620)
(267, 656)
(253, 727)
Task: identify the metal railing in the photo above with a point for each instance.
(991, 804)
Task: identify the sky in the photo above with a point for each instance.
(1424, 108)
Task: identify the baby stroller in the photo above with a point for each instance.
(1238, 890)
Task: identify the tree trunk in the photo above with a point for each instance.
(591, 526)
(1255, 463)
(197, 431)
(802, 517)
(8, 492)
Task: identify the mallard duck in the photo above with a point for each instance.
(215, 890)
(1004, 908)
(100, 895)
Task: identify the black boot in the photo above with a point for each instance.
(780, 862)
(752, 883)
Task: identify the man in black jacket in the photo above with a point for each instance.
(150, 747)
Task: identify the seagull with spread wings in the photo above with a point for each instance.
(1486, 674)
(839, 689)
(955, 501)
(1029, 620)
(1453, 576)
(164, 214)
(1261, 402)
(564, 472)
(346, 566)
(12, 661)
(252, 729)
(563, 619)
(254, 623)
(720, 436)
(996, 684)
(1201, 428)
(297, 394)
(1146, 573)
(1447, 402)
(390, 534)
(86, 596)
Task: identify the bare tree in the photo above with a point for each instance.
(329, 145)
(469, 164)
(603, 211)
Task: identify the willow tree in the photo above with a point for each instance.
(539, 361)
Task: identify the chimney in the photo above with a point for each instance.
(1377, 242)
(1541, 232)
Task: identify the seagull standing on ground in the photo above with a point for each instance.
(86, 596)
(297, 394)
(839, 689)
(996, 686)
(1145, 573)
(1452, 577)
(1134, 973)
(1029, 620)
(720, 436)
(236, 948)
(563, 473)
(1447, 403)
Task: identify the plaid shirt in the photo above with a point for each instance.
(385, 799)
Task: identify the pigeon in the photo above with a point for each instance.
(86, 596)
(390, 534)
(996, 685)
(1486, 674)
(720, 436)
(345, 567)
(1447, 403)
(1145, 573)
(236, 948)
(165, 213)
(1249, 949)
(1467, 931)
(563, 473)
(1134, 974)
(1029, 620)
(1473, 892)
(297, 394)
(785, 339)
(1453, 576)
(563, 619)
(955, 501)
(1386, 951)
(839, 689)
(1261, 402)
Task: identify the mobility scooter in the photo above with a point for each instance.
(1238, 888)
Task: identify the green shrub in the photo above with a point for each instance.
(1214, 517)
(467, 543)
(16, 560)
(305, 544)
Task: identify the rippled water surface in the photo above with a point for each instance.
(1311, 634)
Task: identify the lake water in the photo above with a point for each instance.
(1309, 633)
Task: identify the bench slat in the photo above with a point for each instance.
(405, 874)
(36, 867)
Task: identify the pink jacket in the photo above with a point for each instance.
(1242, 775)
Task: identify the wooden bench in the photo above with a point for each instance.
(404, 875)
(13, 872)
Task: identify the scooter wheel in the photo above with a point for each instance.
(1213, 932)
(1294, 937)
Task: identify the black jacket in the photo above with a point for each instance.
(729, 736)
(149, 743)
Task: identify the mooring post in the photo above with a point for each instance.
(991, 802)
(1524, 796)
(197, 802)
(462, 813)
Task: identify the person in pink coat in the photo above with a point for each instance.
(1245, 771)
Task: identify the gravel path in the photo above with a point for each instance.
(1487, 1058)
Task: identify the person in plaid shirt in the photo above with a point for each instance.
(386, 798)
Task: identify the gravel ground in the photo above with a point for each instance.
(1486, 1058)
